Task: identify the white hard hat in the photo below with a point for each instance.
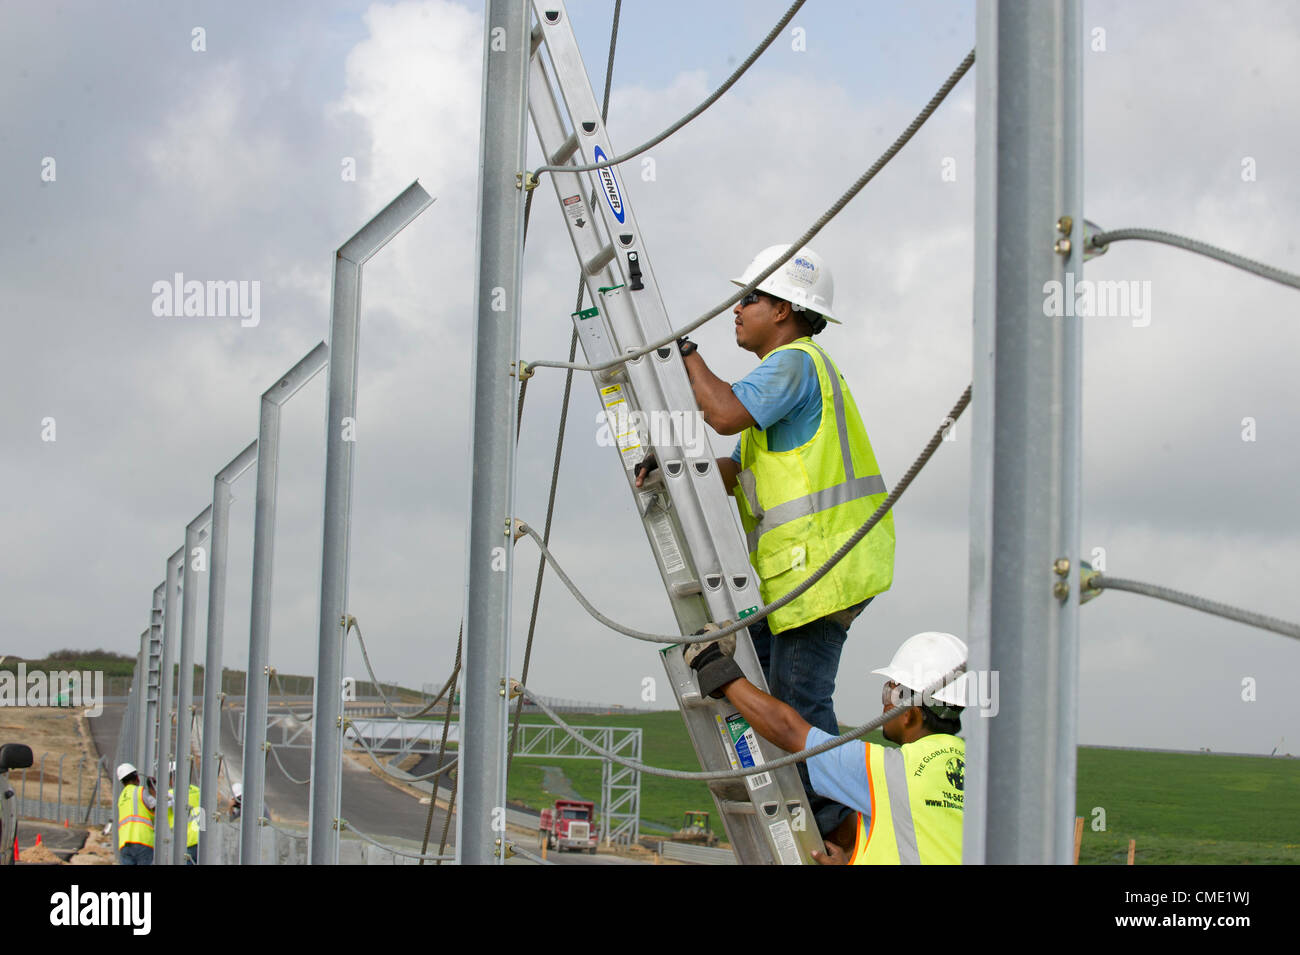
(237, 789)
(171, 767)
(124, 770)
(803, 280)
(924, 659)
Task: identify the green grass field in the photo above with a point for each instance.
(1194, 808)
(1189, 807)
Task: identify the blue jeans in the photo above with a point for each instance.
(134, 853)
(800, 666)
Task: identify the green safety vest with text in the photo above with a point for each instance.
(799, 506)
(917, 795)
(134, 818)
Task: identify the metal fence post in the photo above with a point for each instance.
(195, 531)
(489, 549)
(1025, 454)
(340, 428)
(255, 688)
(211, 735)
(171, 611)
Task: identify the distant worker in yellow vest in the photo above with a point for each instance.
(909, 800)
(135, 812)
(805, 478)
(195, 813)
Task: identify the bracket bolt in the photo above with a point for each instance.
(1062, 247)
(1064, 225)
(1061, 590)
(1062, 566)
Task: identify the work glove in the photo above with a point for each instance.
(712, 661)
(642, 471)
(686, 347)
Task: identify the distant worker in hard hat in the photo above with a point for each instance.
(195, 815)
(804, 478)
(909, 800)
(236, 800)
(135, 813)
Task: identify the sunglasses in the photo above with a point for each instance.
(751, 298)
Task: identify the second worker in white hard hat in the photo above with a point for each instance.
(909, 800)
(805, 478)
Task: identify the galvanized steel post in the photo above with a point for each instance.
(195, 531)
(171, 611)
(480, 821)
(211, 736)
(152, 683)
(255, 688)
(1025, 453)
(340, 435)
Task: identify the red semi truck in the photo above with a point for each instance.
(570, 825)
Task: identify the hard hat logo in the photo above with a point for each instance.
(803, 280)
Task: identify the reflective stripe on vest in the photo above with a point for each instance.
(916, 823)
(134, 818)
(799, 506)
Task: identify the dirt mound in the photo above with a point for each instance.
(38, 855)
(97, 850)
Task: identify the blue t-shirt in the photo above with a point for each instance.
(840, 773)
(784, 399)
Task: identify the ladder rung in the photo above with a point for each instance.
(535, 40)
(600, 260)
(565, 152)
(739, 808)
(687, 588)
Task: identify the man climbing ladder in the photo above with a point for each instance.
(804, 478)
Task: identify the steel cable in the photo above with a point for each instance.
(712, 98)
(284, 699)
(719, 774)
(794, 594)
(1249, 617)
(406, 778)
(1101, 240)
(344, 824)
(799, 243)
(353, 624)
(293, 779)
(442, 748)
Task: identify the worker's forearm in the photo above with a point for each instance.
(727, 470)
(770, 718)
(722, 410)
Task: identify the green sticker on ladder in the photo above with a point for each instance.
(746, 613)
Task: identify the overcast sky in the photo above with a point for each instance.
(130, 156)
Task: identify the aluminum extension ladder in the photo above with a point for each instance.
(686, 513)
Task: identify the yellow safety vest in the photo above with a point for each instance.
(799, 506)
(134, 818)
(917, 794)
(192, 832)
